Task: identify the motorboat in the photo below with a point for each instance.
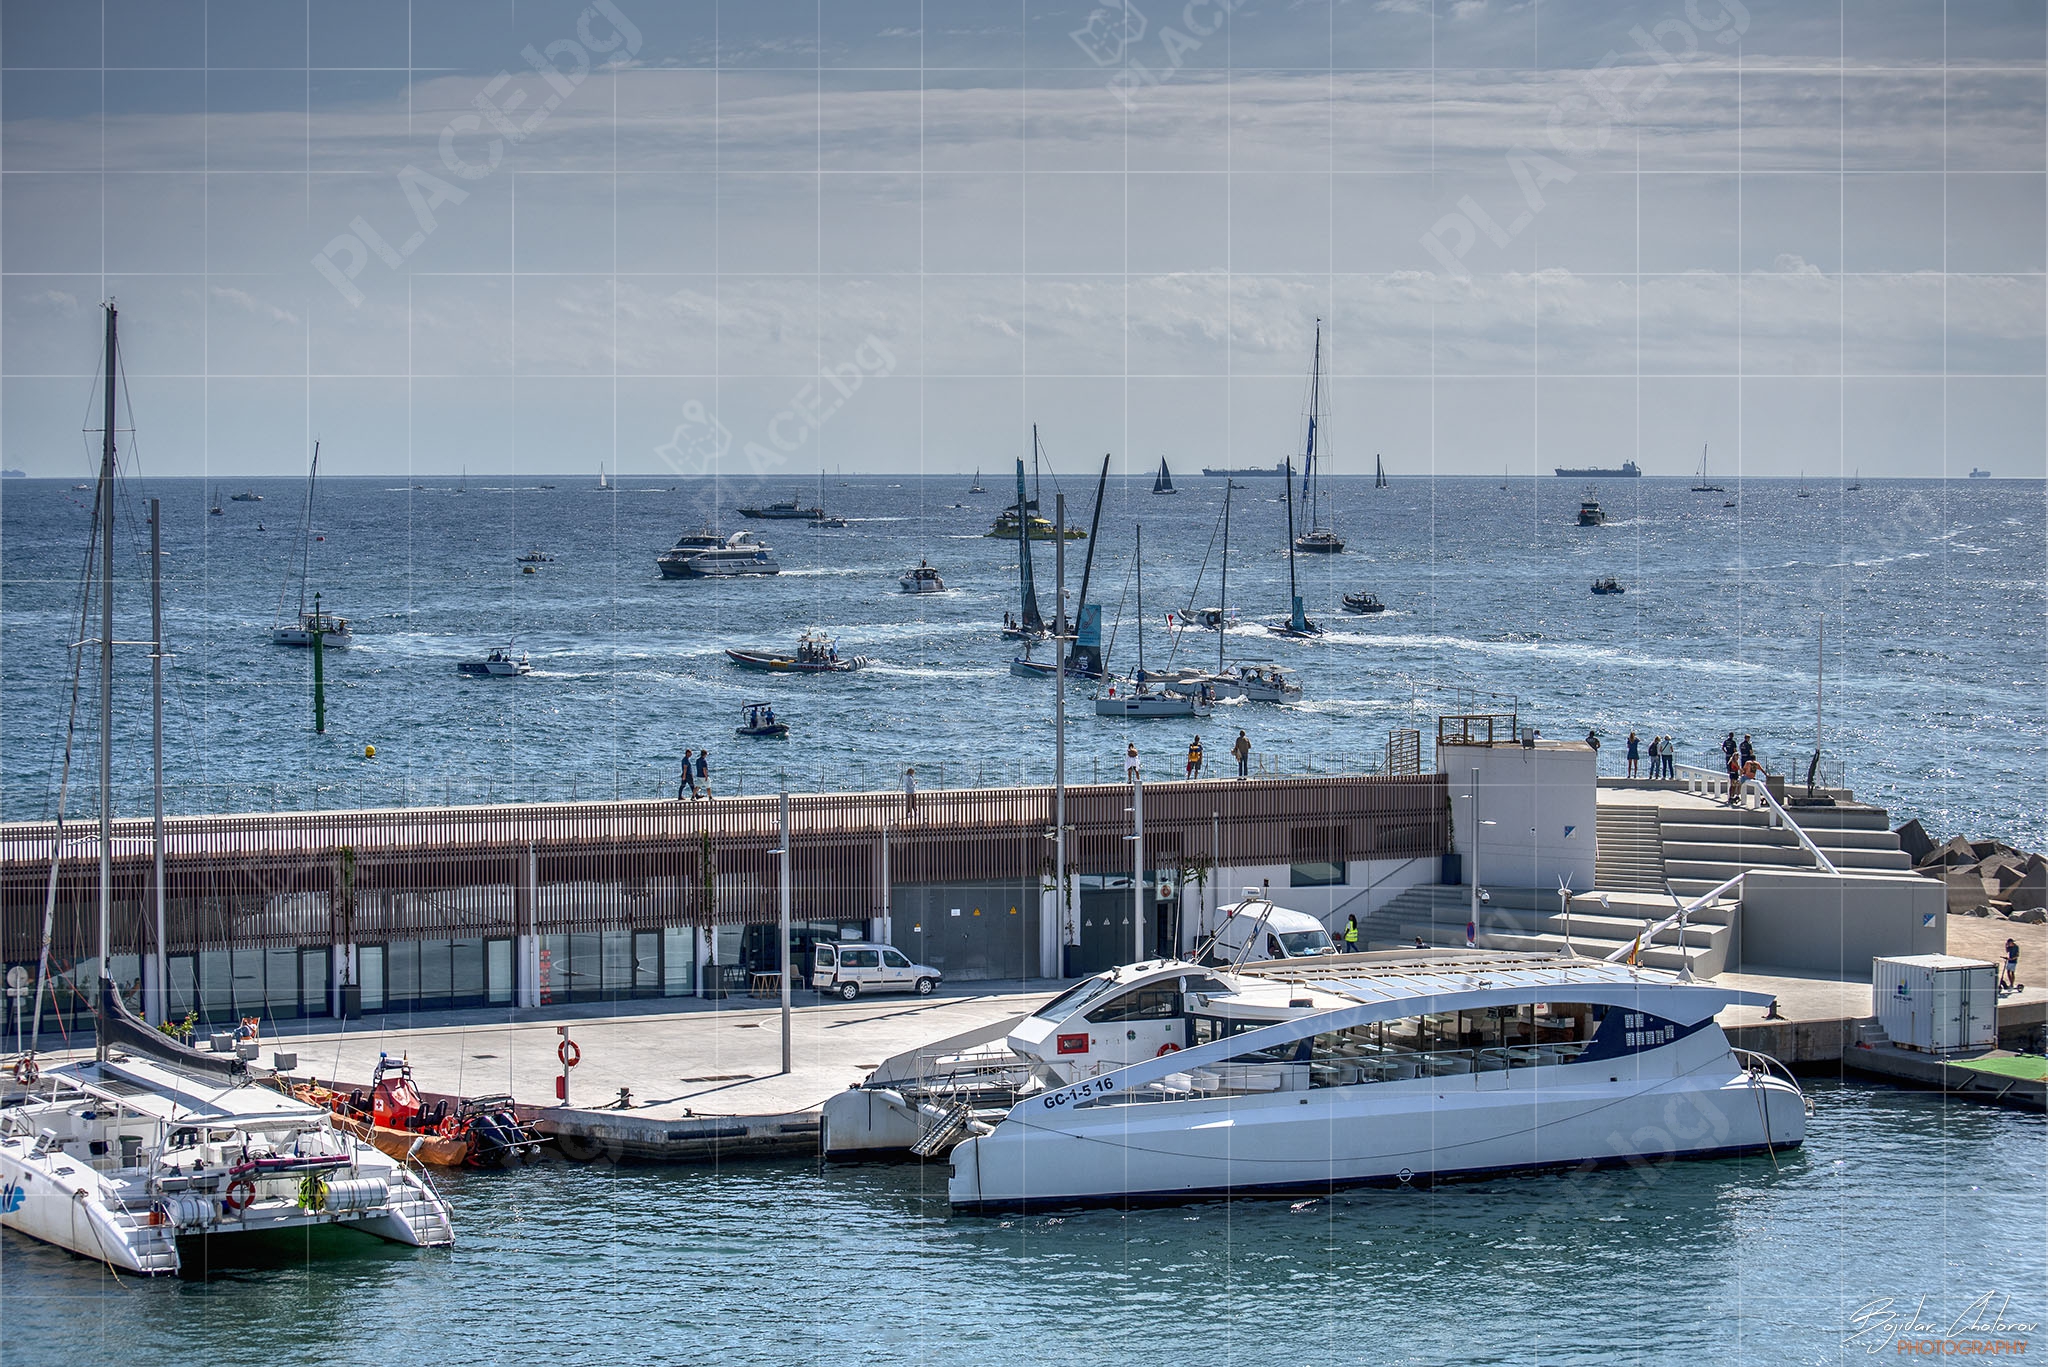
(470, 1132)
(498, 664)
(1591, 514)
(816, 653)
(1363, 601)
(536, 556)
(1251, 682)
(758, 720)
(1138, 702)
(310, 624)
(1976, 473)
(922, 578)
(1607, 585)
(832, 523)
(1005, 528)
(1167, 1080)
(246, 496)
(130, 1161)
(785, 510)
(705, 555)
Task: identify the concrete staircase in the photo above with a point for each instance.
(1630, 848)
(1529, 919)
(1705, 846)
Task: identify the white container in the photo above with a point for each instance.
(1936, 1003)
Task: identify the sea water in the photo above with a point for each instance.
(1931, 593)
(1900, 1204)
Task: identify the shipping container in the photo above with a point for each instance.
(1936, 1003)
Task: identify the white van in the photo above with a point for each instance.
(1254, 930)
(851, 969)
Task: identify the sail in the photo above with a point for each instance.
(1163, 482)
(1379, 478)
(1085, 656)
(1032, 620)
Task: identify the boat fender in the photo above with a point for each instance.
(570, 1052)
(27, 1070)
(184, 1212)
(240, 1193)
(1167, 1048)
(357, 1193)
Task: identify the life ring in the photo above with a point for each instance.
(1167, 1048)
(569, 1052)
(27, 1070)
(235, 1204)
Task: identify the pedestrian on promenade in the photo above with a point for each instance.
(1351, 936)
(1746, 750)
(1593, 742)
(1734, 779)
(684, 784)
(1656, 757)
(703, 773)
(1670, 759)
(1195, 758)
(1243, 751)
(1131, 762)
(1635, 752)
(1471, 935)
(910, 792)
(2012, 964)
(1728, 746)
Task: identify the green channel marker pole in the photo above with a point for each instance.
(319, 673)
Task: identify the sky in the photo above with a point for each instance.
(773, 237)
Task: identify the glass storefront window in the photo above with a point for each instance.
(466, 984)
(678, 961)
(370, 976)
(498, 972)
(437, 972)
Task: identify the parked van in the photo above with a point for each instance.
(1254, 930)
(848, 970)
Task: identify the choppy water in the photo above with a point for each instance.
(1933, 594)
(1896, 1194)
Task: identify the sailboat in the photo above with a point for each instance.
(216, 510)
(1318, 539)
(1503, 479)
(1254, 683)
(1856, 483)
(1700, 483)
(1297, 624)
(308, 624)
(1379, 474)
(1084, 654)
(975, 488)
(1804, 492)
(1029, 624)
(1139, 701)
(1162, 483)
(602, 482)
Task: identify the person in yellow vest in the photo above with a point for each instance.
(1195, 758)
(1351, 936)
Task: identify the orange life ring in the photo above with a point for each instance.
(233, 1204)
(1167, 1048)
(569, 1052)
(26, 1070)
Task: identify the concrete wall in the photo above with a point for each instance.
(1835, 923)
(1541, 802)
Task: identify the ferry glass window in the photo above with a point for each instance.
(1073, 998)
(1315, 874)
(1147, 1004)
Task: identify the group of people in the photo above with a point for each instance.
(1241, 751)
(1742, 765)
(1662, 756)
(696, 775)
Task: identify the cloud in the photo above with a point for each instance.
(254, 307)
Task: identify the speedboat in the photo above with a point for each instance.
(1363, 601)
(1591, 514)
(830, 522)
(246, 496)
(131, 1161)
(496, 665)
(1167, 1080)
(1608, 585)
(922, 578)
(760, 723)
(477, 1132)
(705, 555)
(816, 653)
(1138, 702)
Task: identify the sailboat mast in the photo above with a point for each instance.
(1140, 676)
(306, 532)
(154, 1001)
(1223, 588)
(106, 500)
(1309, 488)
(1031, 620)
(1293, 593)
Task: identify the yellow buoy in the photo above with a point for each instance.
(369, 752)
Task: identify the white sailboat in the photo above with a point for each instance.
(603, 484)
(1138, 700)
(300, 631)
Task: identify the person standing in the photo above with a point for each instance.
(2012, 964)
(909, 792)
(1243, 751)
(684, 784)
(1195, 758)
(1471, 935)
(1728, 746)
(1131, 762)
(1593, 744)
(1734, 779)
(703, 774)
(1656, 757)
(1746, 750)
(1351, 936)
(1635, 752)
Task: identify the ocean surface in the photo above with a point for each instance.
(1932, 594)
(1896, 1195)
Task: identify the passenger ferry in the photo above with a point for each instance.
(706, 555)
(1164, 1080)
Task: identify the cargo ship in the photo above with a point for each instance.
(1629, 470)
(1278, 468)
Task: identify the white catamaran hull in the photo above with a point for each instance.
(1392, 1132)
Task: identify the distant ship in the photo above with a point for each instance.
(1629, 470)
(1975, 473)
(1279, 468)
(13, 474)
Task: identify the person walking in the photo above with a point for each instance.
(703, 774)
(1635, 752)
(1351, 936)
(1131, 762)
(1471, 935)
(1195, 758)
(684, 785)
(1243, 751)
(910, 792)
(2012, 964)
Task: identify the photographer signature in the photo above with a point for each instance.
(1880, 1323)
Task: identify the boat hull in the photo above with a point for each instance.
(694, 569)
(1390, 1133)
(1150, 705)
(783, 664)
(298, 636)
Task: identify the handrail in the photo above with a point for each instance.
(1826, 864)
(1649, 935)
